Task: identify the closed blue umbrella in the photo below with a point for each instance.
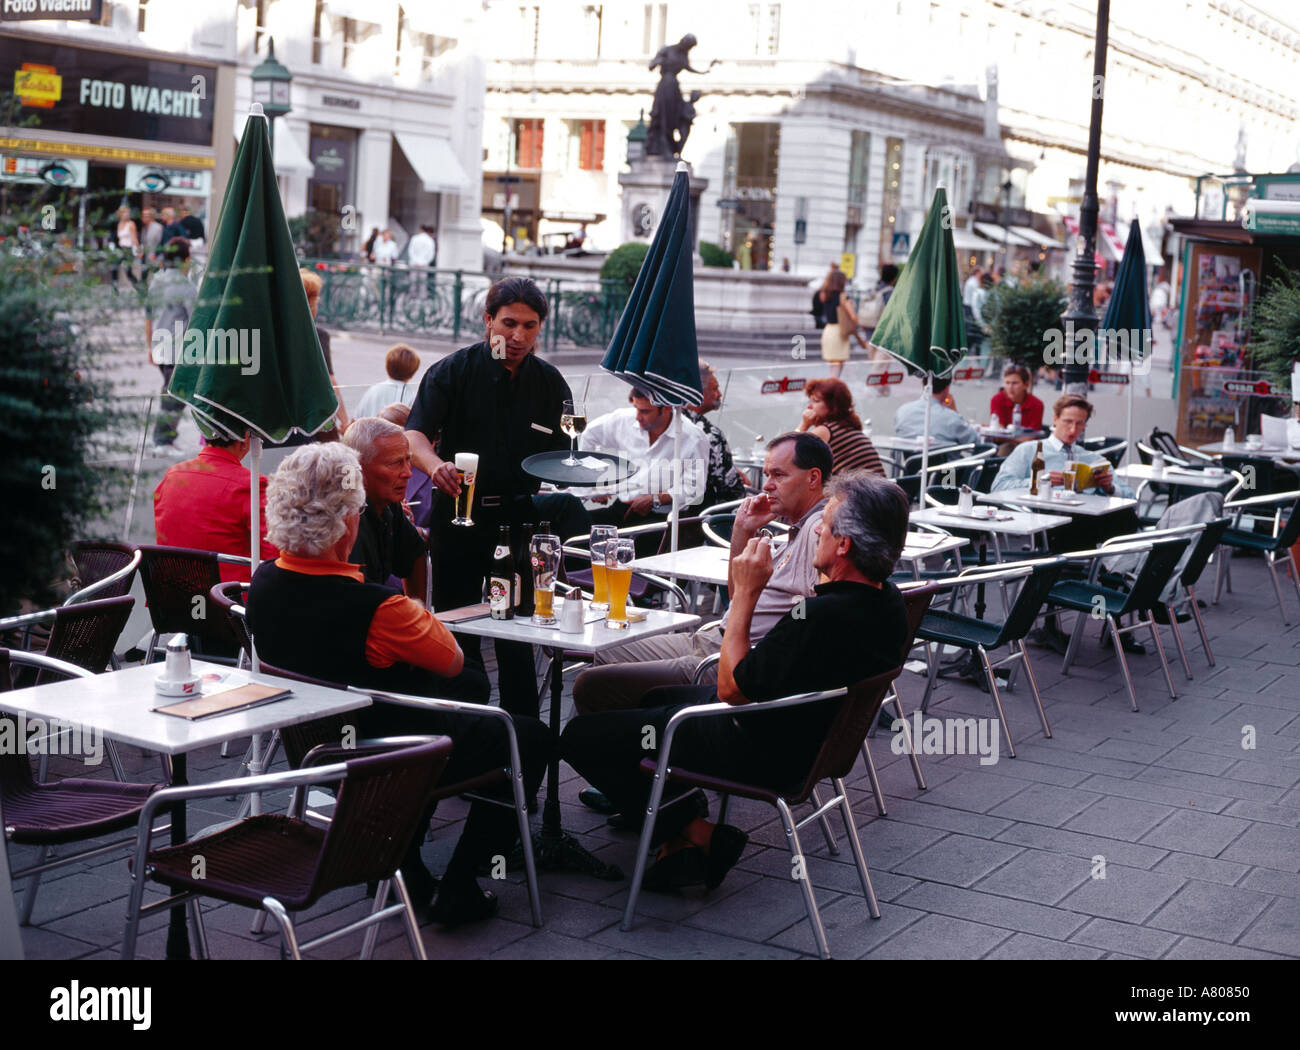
(1129, 308)
(654, 345)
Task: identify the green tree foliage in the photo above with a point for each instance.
(714, 255)
(60, 426)
(624, 263)
(1275, 328)
(315, 233)
(1019, 315)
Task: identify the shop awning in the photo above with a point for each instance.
(1034, 237)
(965, 241)
(1150, 247)
(377, 11)
(995, 233)
(1072, 227)
(1110, 243)
(434, 162)
(290, 157)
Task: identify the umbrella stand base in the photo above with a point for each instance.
(556, 850)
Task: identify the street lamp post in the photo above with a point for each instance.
(271, 82)
(1080, 317)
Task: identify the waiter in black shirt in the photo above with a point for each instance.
(498, 400)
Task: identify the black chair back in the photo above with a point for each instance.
(988, 471)
(1155, 573)
(1205, 545)
(95, 560)
(1033, 593)
(173, 577)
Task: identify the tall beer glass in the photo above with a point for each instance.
(544, 552)
(600, 536)
(619, 555)
(467, 471)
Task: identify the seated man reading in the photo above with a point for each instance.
(313, 613)
(852, 628)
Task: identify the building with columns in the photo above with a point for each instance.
(824, 127)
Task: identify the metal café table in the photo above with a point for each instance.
(554, 849)
(119, 704)
(1084, 504)
(1143, 475)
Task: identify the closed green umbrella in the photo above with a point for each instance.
(250, 360)
(922, 324)
(1129, 308)
(654, 344)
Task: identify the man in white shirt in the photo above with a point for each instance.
(422, 248)
(643, 433)
(971, 286)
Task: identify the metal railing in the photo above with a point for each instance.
(399, 298)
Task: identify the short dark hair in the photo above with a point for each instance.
(511, 290)
(642, 393)
(810, 452)
(889, 273)
(221, 440)
(939, 384)
(1071, 401)
(177, 250)
(401, 362)
(872, 515)
(1014, 369)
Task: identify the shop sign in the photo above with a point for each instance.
(1118, 378)
(42, 10)
(969, 372)
(62, 171)
(88, 92)
(147, 178)
(341, 102)
(1261, 387)
(884, 378)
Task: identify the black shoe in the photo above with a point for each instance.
(1161, 615)
(1131, 645)
(596, 800)
(1050, 638)
(886, 720)
(458, 905)
(727, 845)
(686, 867)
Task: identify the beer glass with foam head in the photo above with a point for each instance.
(1068, 474)
(544, 553)
(600, 536)
(619, 555)
(467, 472)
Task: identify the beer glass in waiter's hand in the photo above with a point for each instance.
(466, 474)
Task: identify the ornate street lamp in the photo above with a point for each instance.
(271, 82)
(636, 141)
(1080, 316)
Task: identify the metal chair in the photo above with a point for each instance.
(232, 598)
(284, 864)
(105, 570)
(1112, 448)
(1206, 544)
(66, 811)
(1089, 597)
(834, 761)
(950, 627)
(177, 584)
(1167, 445)
(1275, 548)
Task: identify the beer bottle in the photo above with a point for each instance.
(502, 578)
(1035, 469)
(524, 578)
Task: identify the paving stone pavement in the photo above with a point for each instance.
(1152, 835)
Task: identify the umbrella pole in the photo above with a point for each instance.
(925, 439)
(675, 488)
(254, 549)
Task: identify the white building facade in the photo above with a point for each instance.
(824, 127)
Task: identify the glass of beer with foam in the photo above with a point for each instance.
(467, 473)
(619, 555)
(600, 535)
(544, 553)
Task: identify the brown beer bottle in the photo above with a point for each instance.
(1035, 469)
(501, 580)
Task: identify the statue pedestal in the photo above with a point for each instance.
(645, 193)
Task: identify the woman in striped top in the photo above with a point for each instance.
(830, 416)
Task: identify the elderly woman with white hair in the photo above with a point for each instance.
(313, 613)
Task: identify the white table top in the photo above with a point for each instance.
(924, 544)
(894, 443)
(1192, 479)
(595, 637)
(1007, 433)
(1086, 504)
(1240, 448)
(708, 564)
(120, 705)
(1020, 523)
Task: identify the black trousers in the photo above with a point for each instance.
(478, 745)
(607, 749)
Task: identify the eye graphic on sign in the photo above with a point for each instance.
(58, 174)
(154, 181)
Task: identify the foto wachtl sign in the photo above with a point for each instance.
(38, 10)
(89, 92)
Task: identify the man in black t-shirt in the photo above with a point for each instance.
(499, 400)
(852, 628)
(388, 544)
